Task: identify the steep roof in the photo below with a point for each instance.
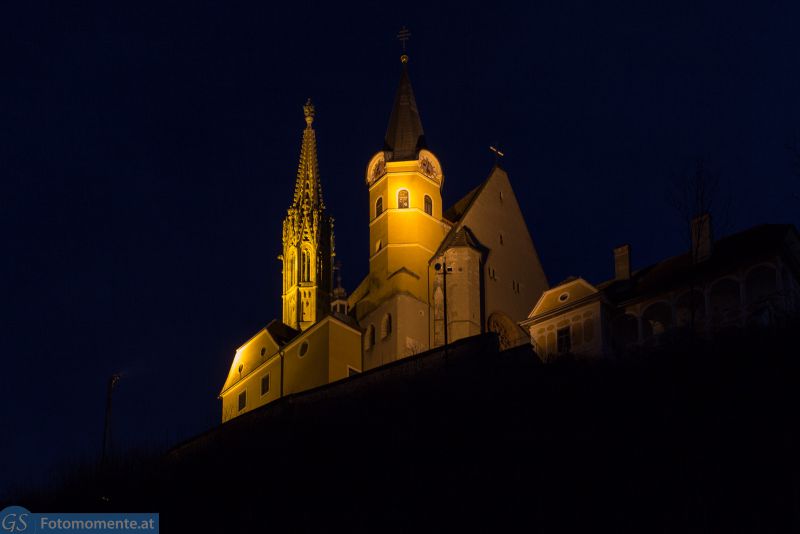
(460, 237)
(457, 210)
(281, 332)
(404, 135)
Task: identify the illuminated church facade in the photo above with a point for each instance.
(435, 275)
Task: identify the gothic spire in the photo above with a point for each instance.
(308, 189)
(404, 136)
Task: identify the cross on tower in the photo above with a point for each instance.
(403, 35)
(497, 153)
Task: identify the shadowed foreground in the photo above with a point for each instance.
(692, 437)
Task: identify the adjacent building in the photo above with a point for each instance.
(748, 278)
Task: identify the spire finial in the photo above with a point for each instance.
(403, 35)
(308, 111)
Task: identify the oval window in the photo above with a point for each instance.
(303, 348)
(563, 297)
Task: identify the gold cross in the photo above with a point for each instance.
(497, 153)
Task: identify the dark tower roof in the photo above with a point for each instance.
(404, 135)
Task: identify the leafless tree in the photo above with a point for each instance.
(693, 193)
(698, 191)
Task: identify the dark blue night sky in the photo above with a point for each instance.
(148, 155)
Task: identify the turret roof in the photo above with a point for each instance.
(404, 135)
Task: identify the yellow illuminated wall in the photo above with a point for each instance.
(403, 237)
(406, 228)
(307, 241)
(328, 351)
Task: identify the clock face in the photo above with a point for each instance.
(429, 166)
(376, 168)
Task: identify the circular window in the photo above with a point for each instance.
(263, 350)
(563, 297)
(303, 348)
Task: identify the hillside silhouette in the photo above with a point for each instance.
(691, 436)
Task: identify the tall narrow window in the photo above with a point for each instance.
(242, 400)
(369, 337)
(265, 384)
(402, 199)
(292, 269)
(563, 341)
(306, 266)
(386, 326)
(428, 205)
(379, 207)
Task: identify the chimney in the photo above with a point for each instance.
(622, 262)
(701, 237)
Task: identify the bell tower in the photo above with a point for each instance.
(307, 241)
(406, 227)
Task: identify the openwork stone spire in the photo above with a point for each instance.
(307, 240)
(308, 189)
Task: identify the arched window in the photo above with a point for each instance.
(378, 207)
(386, 326)
(656, 319)
(369, 337)
(690, 310)
(507, 331)
(305, 273)
(402, 199)
(761, 284)
(724, 302)
(292, 270)
(428, 205)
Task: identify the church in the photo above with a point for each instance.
(435, 275)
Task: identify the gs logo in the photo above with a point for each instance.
(14, 519)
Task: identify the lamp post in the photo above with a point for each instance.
(112, 382)
(443, 268)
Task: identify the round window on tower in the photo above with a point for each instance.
(303, 348)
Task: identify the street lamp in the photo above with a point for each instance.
(443, 268)
(112, 382)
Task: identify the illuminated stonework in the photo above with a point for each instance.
(410, 233)
(307, 241)
(435, 275)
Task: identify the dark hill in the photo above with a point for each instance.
(693, 437)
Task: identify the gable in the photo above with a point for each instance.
(515, 274)
(563, 295)
(249, 356)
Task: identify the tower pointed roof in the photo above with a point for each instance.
(404, 135)
(308, 188)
